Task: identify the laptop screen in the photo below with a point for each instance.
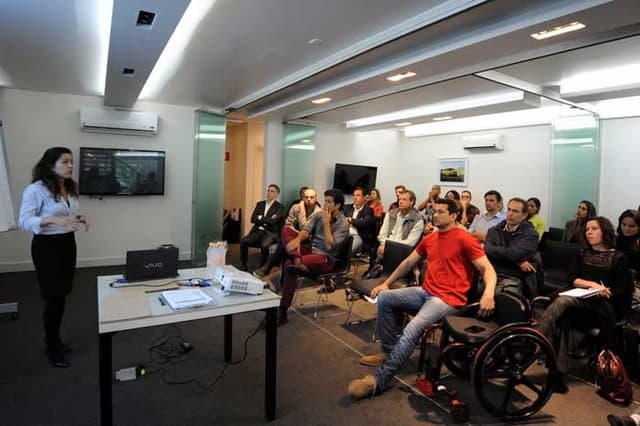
(151, 264)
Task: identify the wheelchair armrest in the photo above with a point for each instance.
(541, 300)
(470, 310)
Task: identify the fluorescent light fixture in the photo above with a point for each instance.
(404, 123)
(457, 104)
(139, 154)
(172, 54)
(442, 118)
(305, 140)
(625, 75)
(397, 77)
(503, 120)
(560, 29)
(321, 101)
(103, 29)
(301, 147)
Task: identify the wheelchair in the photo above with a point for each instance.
(511, 365)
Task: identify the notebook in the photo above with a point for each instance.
(151, 264)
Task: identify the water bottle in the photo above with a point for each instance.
(216, 255)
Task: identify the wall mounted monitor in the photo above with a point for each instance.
(107, 171)
(348, 176)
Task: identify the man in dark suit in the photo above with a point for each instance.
(362, 222)
(267, 220)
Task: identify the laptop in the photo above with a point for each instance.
(151, 264)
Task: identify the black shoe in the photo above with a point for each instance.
(298, 267)
(620, 420)
(56, 357)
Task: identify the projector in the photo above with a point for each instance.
(237, 281)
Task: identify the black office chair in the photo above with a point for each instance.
(394, 254)
(329, 280)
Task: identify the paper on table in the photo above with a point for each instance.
(370, 300)
(580, 292)
(188, 298)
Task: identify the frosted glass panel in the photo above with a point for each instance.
(575, 159)
(208, 183)
(299, 150)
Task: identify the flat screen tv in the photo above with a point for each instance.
(348, 176)
(107, 171)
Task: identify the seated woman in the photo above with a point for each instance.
(533, 205)
(375, 202)
(452, 194)
(628, 237)
(574, 231)
(598, 266)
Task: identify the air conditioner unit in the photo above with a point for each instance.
(486, 142)
(120, 122)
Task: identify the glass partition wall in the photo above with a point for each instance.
(208, 184)
(297, 165)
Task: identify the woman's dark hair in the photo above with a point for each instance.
(535, 201)
(633, 214)
(608, 234)
(456, 195)
(377, 191)
(43, 171)
(591, 209)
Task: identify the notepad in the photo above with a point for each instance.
(184, 299)
(581, 292)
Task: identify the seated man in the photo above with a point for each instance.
(266, 218)
(362, 222)
(512, 249)
(403, 225)
(452, 255)
(298, 216)
(328, 229)
(483, 222)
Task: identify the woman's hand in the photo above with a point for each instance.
(84, 220)
(604, 290)
(70, 222)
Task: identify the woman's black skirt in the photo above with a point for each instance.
(54, 257)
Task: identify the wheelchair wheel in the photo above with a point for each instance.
(457, 360)
(513, 373)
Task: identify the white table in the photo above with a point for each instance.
(122, 309)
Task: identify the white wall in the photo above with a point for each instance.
(521, 170)
(619, 169)
(35, 121)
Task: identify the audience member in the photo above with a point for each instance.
(628, 237)
(533, 205)
(361, 222)
(266, 218)
(452, 255)
(574, 230)
(403, 225)
(329, 230)
(428, 203)
(512, 249)
(483, 222)
(398, 190)
(375, 202)
(299, 215)
(599, 267)
(452, 194)
(469, 211)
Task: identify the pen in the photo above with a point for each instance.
(161, 301)
(162, 289)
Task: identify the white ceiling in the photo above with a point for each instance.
(254, 54)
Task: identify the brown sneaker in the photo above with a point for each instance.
(362, 388)
(375, 360)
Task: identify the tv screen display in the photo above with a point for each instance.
(106, 171)
(348, 176)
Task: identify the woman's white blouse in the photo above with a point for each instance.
(38, 202)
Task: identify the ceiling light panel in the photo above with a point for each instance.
(398, 77)
(321, 101)
(556, 31)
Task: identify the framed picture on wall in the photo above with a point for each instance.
(453, 171)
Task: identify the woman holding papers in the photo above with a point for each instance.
(598, 267)
(50, 211)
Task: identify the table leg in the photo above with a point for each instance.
(270, 364)
(105, 355)
(228, 337)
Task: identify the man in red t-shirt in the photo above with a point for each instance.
(453, 256)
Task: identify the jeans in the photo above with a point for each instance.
(430, 309)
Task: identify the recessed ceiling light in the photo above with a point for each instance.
(404, 123)
(321, 101)
(145, 18)
(401, 76)
(442, 118)
(561, 29)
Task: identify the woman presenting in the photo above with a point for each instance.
(50, 211)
